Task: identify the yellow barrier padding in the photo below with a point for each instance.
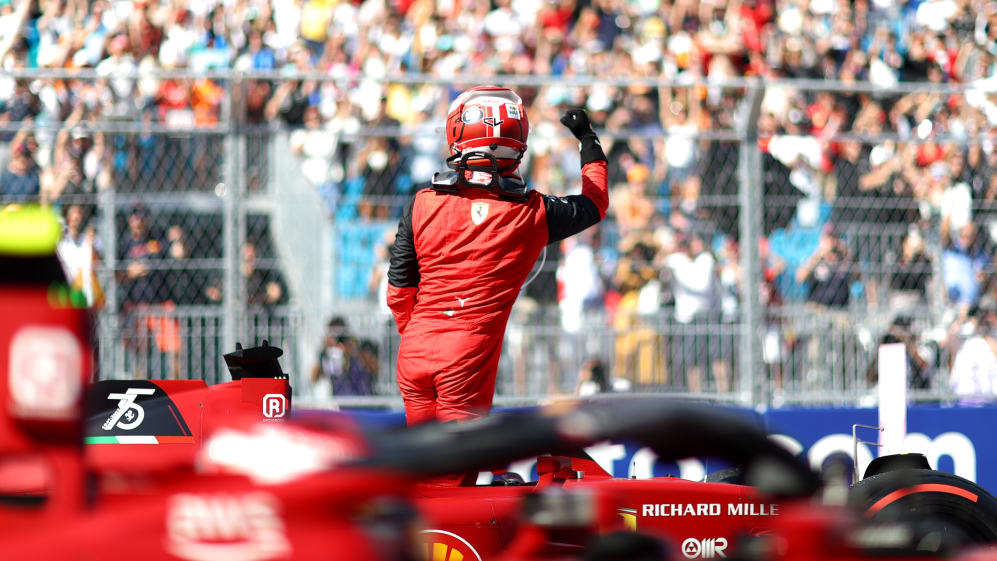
(28, 230)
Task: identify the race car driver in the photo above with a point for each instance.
(465, 246)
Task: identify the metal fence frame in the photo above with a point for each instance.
(237, 201)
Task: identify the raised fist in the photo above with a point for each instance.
(577, 122)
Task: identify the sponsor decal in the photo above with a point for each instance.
(706, 548)
(955, 445)
(225, 527)
(480, 178)
(44, 373)
(512, 111)
(752, 509)
(629, 516)
(274, 405)
(120, 408)
(681, 509)
(479, 211)
(492, 121)
(472, 115)
(129, 414)
(709, 509)
(446, 546)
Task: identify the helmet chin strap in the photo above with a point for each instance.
(459, 161)
(506, 187)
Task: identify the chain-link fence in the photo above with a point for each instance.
(167, 222)
(762, 241)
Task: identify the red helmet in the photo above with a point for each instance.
(489, 120)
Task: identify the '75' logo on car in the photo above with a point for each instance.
(129, 414)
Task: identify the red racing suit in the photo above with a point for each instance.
(457, 266)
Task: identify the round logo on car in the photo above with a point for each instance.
(472, 115)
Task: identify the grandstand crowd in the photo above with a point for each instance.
(878, 197)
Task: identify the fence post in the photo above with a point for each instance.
(109, 333)
(750, 199)
(232, 229)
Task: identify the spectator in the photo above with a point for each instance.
(184, 280)
(315, 145)
(635, 343)
(80, 258)
(143, 279)
(690, 179)
(910, 275)
(138, 254)
(289, 101)
(593, 379)
(974, 369)
(630, 203)
(117, 67)
(828, 271)
(20, 180)
(264, 287)
(257, 56)
(850, 164)
(579, 279)
(346, 366)
(377, 285)
(774, 345)
(919, 371)
(695, 282)
(963, 265)
(379, 169)
(80, 167)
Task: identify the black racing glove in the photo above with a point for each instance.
(577, 121)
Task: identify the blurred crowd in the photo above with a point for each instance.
(875, 197)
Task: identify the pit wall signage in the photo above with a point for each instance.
(954, 439)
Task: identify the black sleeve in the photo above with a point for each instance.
(566, 216)
(590, 149)
(404, 268)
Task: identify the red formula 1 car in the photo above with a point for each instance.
(141, 499)
(703, 519)
(317, 488)
(138, 426)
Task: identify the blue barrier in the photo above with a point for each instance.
(954, 439)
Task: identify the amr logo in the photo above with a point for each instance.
(129, 414)
(705, 549)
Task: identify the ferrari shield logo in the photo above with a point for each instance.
(478, 212)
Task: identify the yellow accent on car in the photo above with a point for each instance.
(629, 517)
(28, 230)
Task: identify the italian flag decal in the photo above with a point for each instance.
(139, 439)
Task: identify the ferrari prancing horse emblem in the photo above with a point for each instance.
(478, 212)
